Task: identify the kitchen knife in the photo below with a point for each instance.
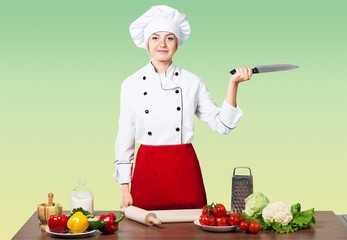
(270, 68)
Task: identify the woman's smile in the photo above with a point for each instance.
(162, 51)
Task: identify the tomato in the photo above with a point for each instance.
(219, 210)
(235, 218)
(254, 227)
(222, 221)
(207, 220)
(244, 225)
(206, 209)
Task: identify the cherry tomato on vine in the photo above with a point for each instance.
(235, 218)
(219, 210)
(244, 226)
(206, 210)
(222, 221)
(254, 227)
(208, 220)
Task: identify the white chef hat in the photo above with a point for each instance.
(156, 19)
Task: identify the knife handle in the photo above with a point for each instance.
(254, 70)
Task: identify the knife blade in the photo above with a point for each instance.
(270, 68)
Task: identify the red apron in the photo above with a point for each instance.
(167, 177)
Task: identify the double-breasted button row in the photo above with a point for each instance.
(144, 78)
(178, 108)
(146, 111)
(150, 133)
(145, 93)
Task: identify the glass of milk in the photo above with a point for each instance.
(82, 197)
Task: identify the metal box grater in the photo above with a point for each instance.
(242, 187)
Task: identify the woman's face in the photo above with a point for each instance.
(162, 46)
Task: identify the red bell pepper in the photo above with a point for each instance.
(57, 223)
(111, 223)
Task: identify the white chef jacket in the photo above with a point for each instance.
(159, 109)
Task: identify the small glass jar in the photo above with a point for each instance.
(82, 197)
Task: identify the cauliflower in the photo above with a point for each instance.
(278, 212)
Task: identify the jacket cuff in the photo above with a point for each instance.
(230, 115)
(122, 172)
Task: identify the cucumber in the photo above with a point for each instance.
(94, 225)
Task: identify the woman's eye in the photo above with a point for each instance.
(154, 38)
(171, 38)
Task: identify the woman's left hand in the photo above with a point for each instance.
(242, 74)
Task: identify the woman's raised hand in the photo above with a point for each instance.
(242, 74)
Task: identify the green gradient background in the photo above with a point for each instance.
(62, 63)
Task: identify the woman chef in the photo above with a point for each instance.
(157, 108)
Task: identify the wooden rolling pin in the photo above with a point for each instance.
(142, 216)
(178, 215)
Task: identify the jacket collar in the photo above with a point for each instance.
(170, 79)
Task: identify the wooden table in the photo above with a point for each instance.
(328, 227)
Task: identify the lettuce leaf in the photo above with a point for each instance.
(303, 219)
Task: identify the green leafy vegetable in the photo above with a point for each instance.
(85, 212)
(301, 219)
(255, 203)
